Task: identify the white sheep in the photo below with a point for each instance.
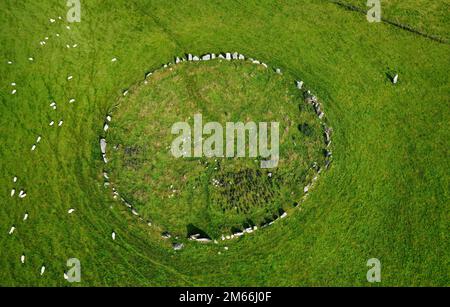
(22, 259)
(25, 217)
(42, 270)
(113, 235)
(11, 231)
(71, 211)
(13, 191)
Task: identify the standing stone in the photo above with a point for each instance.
(103, 146)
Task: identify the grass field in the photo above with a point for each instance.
(386, 195)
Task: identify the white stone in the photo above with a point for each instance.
(206, 57)
(195, 58)
(103, 146)
(299, 84)
(228, 56)
(395, 80)
(235, 56)
(241, 57)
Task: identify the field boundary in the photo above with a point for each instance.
(405, 27)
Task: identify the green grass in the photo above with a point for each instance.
(386, 195)
(175, 193)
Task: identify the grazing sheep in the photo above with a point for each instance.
(42, 270)
(33, 147)
(105, 127)
(60, 123)
(30, 59)
(13, 92)
(38, 139)
(22, 258)
(72, 100)
(69, 78)
(22, 194)
(11, 231)
(13, 191)
(15, 179)
(114, 60)
(71, 211)
(51, 123)
(113, 235)
(25, 217)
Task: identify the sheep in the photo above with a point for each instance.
(13, 84)
(52, 20)
(30, 59)
(22, 194)
(11, 231)
(114, 60)
(72, 100)
(13, 92)
(60, 123)
(33, 147)
(13, 191)
(22, 258)
(39, 138)
(283, 215)
(25, 217)
(71, 211)
(51, 123)
(42, 270)
(113, 235)
(75, 46)
(69, 78)
(105, 127)
(15, 179)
